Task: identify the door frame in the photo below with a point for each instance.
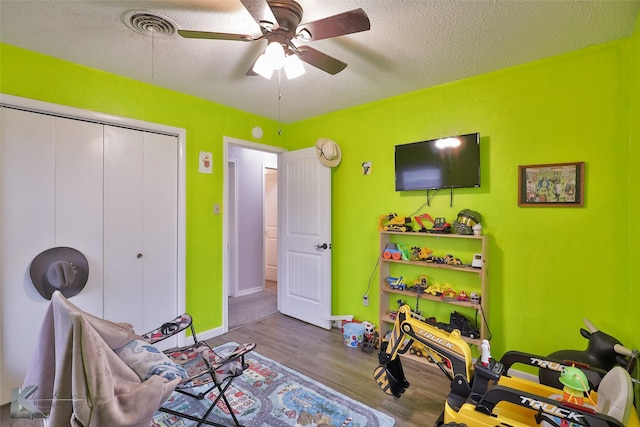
(107, 119)
(227, 141)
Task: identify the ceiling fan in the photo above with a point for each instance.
(279, 22)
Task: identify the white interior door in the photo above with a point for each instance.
(232, 229)
(140, 217)
(123, 221)
(304, 237)
(271, 224)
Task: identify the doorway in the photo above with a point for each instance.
(250, 232)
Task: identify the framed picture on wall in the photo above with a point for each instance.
(556, 184)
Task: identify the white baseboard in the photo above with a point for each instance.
(205, 335)
(249, 291)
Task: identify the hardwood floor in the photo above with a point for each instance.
(321, 355)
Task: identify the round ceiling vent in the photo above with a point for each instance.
(149, 24)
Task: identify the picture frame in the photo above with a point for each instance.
(553, 184)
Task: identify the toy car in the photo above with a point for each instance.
(474, 298)
(397, 283)
(463, 296)
(391, 251)
(451, 260)
(448, 294)
(441, 225)
(420, 254)
(461, 323)
(435, 289)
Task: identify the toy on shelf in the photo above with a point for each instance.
(435, 260)
(419, 219)
(459, 322)
(467, 219)
(391, 251)
(451, 260)
(393, 222)
(420, 254)
(477, 261)
(404, 251)
(435, 289)
(420, 285)
(448, 294)
(474, 298)
(441, 226)
(463, 296)
(397, 283)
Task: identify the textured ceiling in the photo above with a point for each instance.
(411, 45)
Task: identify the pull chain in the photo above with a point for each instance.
(279, 98)
(153, 45)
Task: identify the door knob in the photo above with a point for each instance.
(139, 255)
(322, 246)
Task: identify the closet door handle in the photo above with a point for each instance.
(139, 256)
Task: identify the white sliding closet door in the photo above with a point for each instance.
(140, 237)
(51, 193)
(109, 192)
(79, 202)
(28, 224)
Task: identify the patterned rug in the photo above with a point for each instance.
(269, 394)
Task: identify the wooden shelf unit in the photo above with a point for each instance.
(470, 279)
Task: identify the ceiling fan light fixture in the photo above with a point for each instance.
(293, 67)
(304, 34)
(262, 67)
(274, 55)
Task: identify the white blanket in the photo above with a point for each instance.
(81, 381)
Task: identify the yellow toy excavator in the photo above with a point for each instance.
(484, 394)
(393, 222)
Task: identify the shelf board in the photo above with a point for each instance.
(444, 235)
(466, 268)
(430, 297)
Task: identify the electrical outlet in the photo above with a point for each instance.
(365, 300)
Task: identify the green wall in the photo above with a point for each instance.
(549, 267)
(31, 75)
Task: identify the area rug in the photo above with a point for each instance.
(269, 394)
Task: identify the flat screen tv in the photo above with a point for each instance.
(452, 162)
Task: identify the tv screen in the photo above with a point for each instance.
(452, 162)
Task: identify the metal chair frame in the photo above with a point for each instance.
(217, 370)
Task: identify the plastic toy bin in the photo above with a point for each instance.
(353, 334)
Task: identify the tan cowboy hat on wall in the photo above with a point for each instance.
(328, 152)
(59, 269)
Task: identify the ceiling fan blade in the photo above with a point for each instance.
(250, 71)
(350, 22)
(261, 12)
(320, 60)
(216, 36)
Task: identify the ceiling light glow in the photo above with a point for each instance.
(448, 143)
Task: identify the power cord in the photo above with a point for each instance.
(373, 273)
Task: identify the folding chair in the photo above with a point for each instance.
(203, 366)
